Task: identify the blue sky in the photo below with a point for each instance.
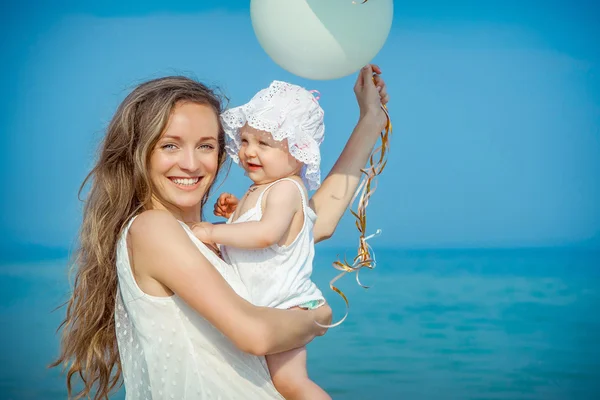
(496, 110)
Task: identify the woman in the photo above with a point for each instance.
(172, 317)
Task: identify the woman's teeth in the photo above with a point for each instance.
(186, 181)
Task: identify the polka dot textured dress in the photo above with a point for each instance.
(169, 351)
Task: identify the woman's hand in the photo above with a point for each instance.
(371, 94)
(157, 239)
(332, 199)
(225, 205)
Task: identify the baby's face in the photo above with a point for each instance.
(265, 159)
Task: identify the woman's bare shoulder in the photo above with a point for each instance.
(157, 239)
(151, 220)
(156, 229)
(154, 222)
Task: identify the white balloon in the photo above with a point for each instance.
(321, 39)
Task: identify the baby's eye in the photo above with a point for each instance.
(263, 143)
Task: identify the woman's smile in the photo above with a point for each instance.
(187, 184)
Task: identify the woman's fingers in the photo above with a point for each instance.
(382, 88)
(371, 92)
(360, 79)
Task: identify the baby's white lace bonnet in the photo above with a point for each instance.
(287, 112)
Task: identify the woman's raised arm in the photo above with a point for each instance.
(332, 199)
(163, 251)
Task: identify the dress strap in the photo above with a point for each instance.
(307, 211)
(260, 197)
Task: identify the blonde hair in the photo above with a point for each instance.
(120, 189)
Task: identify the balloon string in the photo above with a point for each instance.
(365, 257)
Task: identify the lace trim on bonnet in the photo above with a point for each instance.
(287, 112)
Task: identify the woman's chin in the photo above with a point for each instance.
(189, 202)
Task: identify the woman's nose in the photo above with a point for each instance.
(189, 161)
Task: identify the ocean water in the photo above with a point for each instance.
(485, 324)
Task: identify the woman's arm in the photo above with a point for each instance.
(332, 199)
(163, 251)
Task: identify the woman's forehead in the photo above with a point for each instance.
(192, 119)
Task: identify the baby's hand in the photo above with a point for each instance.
(203, 231)
(225, 205)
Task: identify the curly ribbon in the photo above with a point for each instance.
(366, 256)
(318, 95)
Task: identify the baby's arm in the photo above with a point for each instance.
(282, 203)
(156, 239)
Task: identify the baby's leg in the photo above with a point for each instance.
(288, 371)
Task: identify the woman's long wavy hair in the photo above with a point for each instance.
(120, 188)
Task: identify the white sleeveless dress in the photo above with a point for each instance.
(169, 351)
(278, 276)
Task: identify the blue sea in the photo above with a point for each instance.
(452, 324)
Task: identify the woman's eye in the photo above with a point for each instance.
(207, 146)
(169, 146)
